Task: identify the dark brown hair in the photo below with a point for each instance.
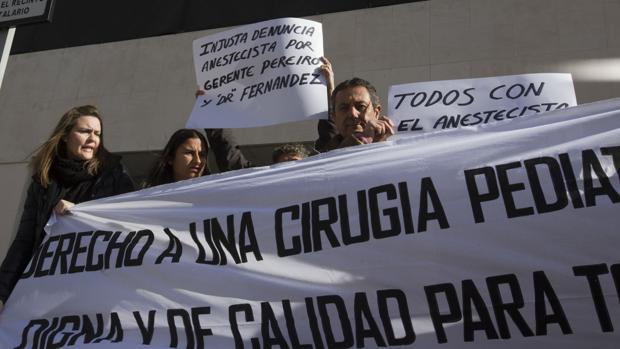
(161, 173)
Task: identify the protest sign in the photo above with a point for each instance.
(440, 105)
(498, 237)
(260, 74)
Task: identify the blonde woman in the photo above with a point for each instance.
(72, 166)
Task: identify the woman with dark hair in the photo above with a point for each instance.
(183, 157)
(72, 166)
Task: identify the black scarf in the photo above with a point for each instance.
(73, 179)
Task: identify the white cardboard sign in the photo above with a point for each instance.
(440, 105)
(260, 74)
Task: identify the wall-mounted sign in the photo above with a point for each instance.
(15, 12)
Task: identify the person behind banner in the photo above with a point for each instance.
(357, 115)
(184, 157)
(289, 152)
(71, 167)
(228, 155)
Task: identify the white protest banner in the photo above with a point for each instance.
(498, 237)
(260, 74)
(440, 105)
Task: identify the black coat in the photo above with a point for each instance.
(38, 208)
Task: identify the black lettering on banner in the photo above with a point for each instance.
(283, 250)
(146, 330)
(90, 266)
(345, 227)
(364, 229)
(247, 238)
(403, 311)
(615, 273)
(385, 209)
(571, 181)
(270, 322)
(42, 324)
(234, 325)
(222, 243)
(186, 323)
(290, 326)
(199, 331)
(345, 325)
(225, 242)
(501, 307)
(364, 315)
(405, 203)
(540, 170)
(592, 272)
(119, 247)
(132, 262)
(314, 324)
(66, 335)
(116, 330)
(392, 212)
(454, 310)
(306, 227)
(324, 225)
(45, 334)
(174, 249)
(428, 191)
(508, 188)
(471, 296)
(202, 255)
(64, 331)
(78, 249)
(555, 173)
(476, 198)
(544, 291)
(89, 332)
(61, 254)
(591, 163)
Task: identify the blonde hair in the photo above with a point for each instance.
(56, 146)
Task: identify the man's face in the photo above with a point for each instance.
(352, 109)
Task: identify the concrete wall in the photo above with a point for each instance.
(145, 87)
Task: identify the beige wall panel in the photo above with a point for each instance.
(15, 179)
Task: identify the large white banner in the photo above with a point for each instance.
(498, 237)
(434, 106)
(260, 74)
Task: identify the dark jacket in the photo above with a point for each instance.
(228, 155)
(38, 208)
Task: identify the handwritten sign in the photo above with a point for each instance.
(441, 105)
(260, 74)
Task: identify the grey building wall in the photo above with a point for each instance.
(145, 87)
